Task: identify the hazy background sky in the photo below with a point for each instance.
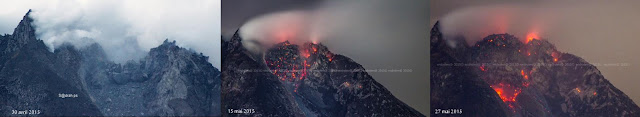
(378, 34)
(126, 29)
(601, 32)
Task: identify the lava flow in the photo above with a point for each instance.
(506, 92)
(284, 62)
(291, 62)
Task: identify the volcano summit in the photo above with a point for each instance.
(502, 76)
(302, 80)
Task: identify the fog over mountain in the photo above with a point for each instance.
(169, 81)
(125, 29)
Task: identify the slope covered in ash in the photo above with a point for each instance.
(302, 80)
(169, 81)
(31, 77)
(530, 78)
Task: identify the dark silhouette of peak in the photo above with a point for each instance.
(169, 51)
(167, 43)
(23, 37)
(34, 78)
(25, 31)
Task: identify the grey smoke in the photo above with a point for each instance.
(126, 29)
(266, 30)
(474, 23)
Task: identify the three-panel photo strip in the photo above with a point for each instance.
(319, 58)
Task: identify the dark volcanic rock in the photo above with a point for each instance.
(245, 87)
(456, 87)
(31, 77)
(302, 80)
(170, 81)
(528, 79)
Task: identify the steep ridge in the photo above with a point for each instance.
(32, 78)
(245, 87)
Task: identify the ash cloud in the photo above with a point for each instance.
(126, 29)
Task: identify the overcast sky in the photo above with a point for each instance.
(127, 29)
(603, 32)
(378, 34)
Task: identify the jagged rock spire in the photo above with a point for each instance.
(25, 30)
(23, 34)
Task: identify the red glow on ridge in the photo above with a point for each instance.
(531, 36)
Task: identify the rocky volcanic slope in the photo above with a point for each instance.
(31, 77)
(502, 76)
(169, 81)
(302, 80)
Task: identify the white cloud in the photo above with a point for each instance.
(126, 29)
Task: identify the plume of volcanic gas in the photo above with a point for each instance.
(264, 31)
(474, 23)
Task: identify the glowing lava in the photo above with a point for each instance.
(285, 63)
(291, 62)
(526, 77)
(531, 36)
(506, 92)
(329, 56)
(555, 56)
